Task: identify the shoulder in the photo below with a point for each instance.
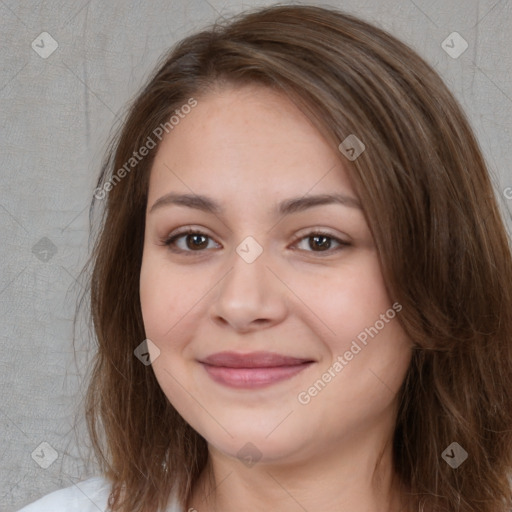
(87, 496)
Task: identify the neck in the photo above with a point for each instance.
(356, 478)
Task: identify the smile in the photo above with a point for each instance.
(253, 370)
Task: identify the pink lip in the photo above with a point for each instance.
(255, 369)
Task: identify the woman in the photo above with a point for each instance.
(301, 284)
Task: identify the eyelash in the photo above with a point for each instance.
(170, 241)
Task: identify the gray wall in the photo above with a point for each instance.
(56, 115)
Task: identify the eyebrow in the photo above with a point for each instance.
(287, 207)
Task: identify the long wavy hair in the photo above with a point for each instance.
(430, 204)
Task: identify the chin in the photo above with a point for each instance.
(252, 450)
(267, 441)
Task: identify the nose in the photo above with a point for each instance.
(250, 297)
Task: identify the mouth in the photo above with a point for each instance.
(252, 370)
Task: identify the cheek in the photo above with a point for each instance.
(347, 300)
(163, 297)
(173, 302)
(167, 304)
(164, 301)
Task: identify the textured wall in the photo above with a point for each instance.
(57, 111)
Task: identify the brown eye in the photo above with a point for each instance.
(321, 242)
(195, 241)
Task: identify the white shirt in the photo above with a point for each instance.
(87, 496)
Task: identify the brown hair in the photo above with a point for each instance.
(429, 202)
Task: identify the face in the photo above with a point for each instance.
(269, 322)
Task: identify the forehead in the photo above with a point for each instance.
(247, 141)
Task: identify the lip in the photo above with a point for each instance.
(254, 369)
